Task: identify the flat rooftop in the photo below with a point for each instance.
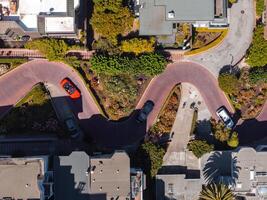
(59, 24)
(19, 178)
(28, 10)
(157, 16)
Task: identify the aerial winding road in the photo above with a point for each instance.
(15, 84)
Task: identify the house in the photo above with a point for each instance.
(100, 177)
(38, 18)
(160, 17)
(177, 184)
(244, 171)
(25, 178)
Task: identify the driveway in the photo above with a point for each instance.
(236, 43)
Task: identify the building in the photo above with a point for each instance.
(160, 17)
(244, 170)
(25, 178)
(176, 184)
(100, 177)
(21, 19)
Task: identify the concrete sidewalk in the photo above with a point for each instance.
(176, 153)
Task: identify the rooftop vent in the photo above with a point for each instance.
(171, 14)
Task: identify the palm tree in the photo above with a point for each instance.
(214, 191)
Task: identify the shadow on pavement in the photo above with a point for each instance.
(251, 130)
(108, 135)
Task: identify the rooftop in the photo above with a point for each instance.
(71, 180)
(110, 175)
(157, 16)
(20, 178)
(27, 11)
(177, 186)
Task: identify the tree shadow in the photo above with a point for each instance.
(221, 168)
(230, 69)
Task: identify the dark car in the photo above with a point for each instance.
(72, 127)
(144, 112)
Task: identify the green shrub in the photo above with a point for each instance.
(258, 74)
(138, 46)
(259, 7)
(257, 52)
(53, 49)
(228, 83)
(149, 64)
(199, 147)
(233, 141)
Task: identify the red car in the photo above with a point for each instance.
(70, 88)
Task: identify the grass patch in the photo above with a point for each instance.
(7, 64)
(32, 114)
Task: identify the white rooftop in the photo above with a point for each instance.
(29, 9)
(59, 24)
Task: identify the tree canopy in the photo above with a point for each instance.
(257, 52)
(214, 191)
(152, 157)
(138, 45)
(53, 49)
(228, 83)
(110, 18)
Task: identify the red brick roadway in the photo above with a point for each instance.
(15, 84)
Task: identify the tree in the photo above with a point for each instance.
(257, 52)
(153, 157)
(219, 131)
(199, 147)
(228, 83)
(214, 191)
(233, 141)
(53, 49)
(138, 46)
(110, 19)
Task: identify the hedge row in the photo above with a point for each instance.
(148, 64)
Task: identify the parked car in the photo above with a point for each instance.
(70, 88)
(72, 127)
(224, 115)
(144, 112)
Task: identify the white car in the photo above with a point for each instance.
(223, 114)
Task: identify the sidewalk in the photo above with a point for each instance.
(176, 153)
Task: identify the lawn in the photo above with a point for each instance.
(32, 115)
(7, 64)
